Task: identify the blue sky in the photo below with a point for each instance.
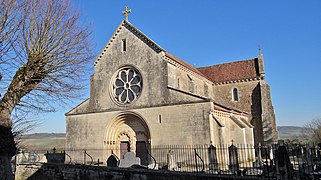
(211, 32)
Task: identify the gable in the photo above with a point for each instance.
(136, 32)
(160, 84)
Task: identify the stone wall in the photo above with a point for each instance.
(254, 98)
(177, 124)
(270, 133)
(80, 172)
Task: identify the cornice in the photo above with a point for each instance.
(240, 81)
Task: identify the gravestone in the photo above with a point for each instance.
(129, 160)
(112, 161)
(309, 157)
(213, 165)
(258, 159)
(282, 162)
(171, 164)
(233, 159)
(55, 157)
(153, 166)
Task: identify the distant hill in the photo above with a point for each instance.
(47, 141)
(43, 135)
(290, 132)
(43, 141)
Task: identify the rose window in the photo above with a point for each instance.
(127, 85)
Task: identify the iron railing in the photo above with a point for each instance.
(297, 161)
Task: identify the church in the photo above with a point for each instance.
(143, 96)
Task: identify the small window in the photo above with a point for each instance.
(124, 44)
(160, 119)
(235, 95)
(206, 90)
(178, 83)
(190, 84)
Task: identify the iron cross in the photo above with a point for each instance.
(126, 12)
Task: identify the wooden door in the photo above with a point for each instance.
(124, 148)
(141, 152)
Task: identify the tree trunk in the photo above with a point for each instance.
(7, 146)
(5, 167)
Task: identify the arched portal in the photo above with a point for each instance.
(128, 131)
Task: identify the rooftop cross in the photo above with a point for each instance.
(260, 50)
(126, 12)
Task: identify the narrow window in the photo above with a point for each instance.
(160, 119)
(124, 44)
(178, 83)
(205, 90)
(235, 95)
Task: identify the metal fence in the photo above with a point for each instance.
(278, 161)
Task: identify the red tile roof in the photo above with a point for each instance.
(238, 70)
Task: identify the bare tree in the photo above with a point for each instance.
(311, 131)
(44, 50)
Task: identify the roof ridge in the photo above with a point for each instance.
(100, 55)
(154, 45)
(233, 62)
(185, 64)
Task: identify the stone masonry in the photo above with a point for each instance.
(142, 96)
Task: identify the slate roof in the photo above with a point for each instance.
(239, 70)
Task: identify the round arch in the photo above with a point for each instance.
(128, 131)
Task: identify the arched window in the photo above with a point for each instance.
(235, 94)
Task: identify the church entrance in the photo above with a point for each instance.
(128, 132)
(141, 152)
(124, 148)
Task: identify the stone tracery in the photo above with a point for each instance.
(127, 85)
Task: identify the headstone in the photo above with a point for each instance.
(171, 164)
(129, 160)
(309, 156)
(282, 162)
(258, 160)
(153, 166)
(213, 165)
(112, 161)
(55, 157)
(233, 159)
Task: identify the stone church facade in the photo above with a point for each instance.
(142, 96)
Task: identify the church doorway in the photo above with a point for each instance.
(141, 152)
(124, 148)
(128, 132)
